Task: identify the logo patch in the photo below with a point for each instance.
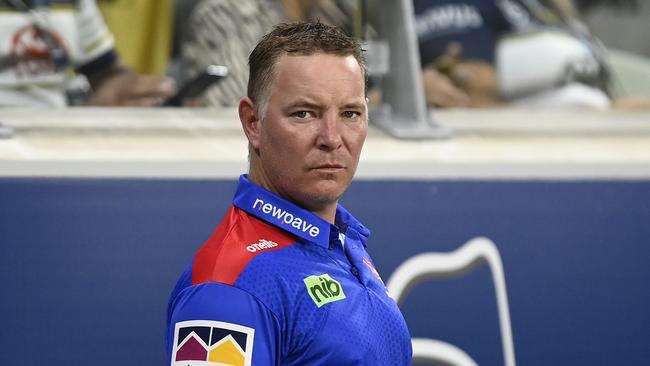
(285, 217)
(324, 289)
(260, 245)
(210, 343)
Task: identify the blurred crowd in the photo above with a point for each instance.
(473, 53)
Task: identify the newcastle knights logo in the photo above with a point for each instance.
(208, 343)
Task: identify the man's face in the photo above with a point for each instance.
(313, 130)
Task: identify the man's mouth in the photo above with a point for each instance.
(329, 167)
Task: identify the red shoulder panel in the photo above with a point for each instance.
(237, 240)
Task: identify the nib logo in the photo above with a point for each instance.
(324, 289)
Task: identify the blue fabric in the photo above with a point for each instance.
(271, 295)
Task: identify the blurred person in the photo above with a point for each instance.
(46, 44)
(285, 279)
(224, 32)
(478, 53)
(458, 41)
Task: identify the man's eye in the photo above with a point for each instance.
(301, 114)
(350, 114)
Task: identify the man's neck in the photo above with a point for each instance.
(328, 214)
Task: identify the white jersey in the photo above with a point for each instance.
(34, 70)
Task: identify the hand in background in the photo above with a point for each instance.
(631, 104)
(479, 80)
(440, 91)
(451, 81)
(126, 88)
(439, 87)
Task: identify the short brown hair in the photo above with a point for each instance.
(301, 39)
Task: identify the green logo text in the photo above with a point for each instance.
(324, 289)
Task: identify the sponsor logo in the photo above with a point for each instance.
(286, 218)
(35, 56)
(442, 19)
(211, 343)
(261, 245)
(324, 289)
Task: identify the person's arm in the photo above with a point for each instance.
(118, 85)
(440, 91)
(221, 323)
(112, 83)
(451, 82)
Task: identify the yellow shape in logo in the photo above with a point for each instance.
(227, 352)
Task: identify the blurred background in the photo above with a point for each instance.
(526, 122)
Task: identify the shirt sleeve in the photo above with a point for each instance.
(94, 37)
(220, 323)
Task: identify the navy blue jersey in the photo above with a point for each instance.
(474, 24)
(278, 285)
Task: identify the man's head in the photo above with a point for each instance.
(306, 115)
(296, 39)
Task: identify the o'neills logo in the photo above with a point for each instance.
(286, 218)
(262, 244)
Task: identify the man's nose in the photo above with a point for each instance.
(329, 134)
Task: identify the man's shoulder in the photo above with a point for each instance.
(235, 243)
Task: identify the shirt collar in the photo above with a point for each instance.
(289, 217)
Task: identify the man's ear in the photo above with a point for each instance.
(250, 121)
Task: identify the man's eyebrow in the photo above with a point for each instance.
(308, 103)
(303, 102)
(354, 105)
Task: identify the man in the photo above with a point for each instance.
(47, 42)
(285, 279)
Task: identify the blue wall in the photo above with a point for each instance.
(87, 265)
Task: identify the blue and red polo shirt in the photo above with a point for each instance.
(278, 285)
